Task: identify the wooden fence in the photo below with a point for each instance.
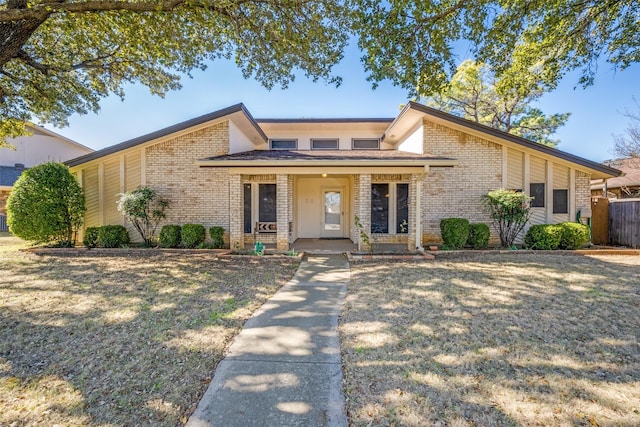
(624, 222)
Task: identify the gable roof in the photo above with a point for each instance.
(412, 110)
(631, 178)
(239, 109)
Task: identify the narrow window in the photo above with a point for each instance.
(402, 208)
(365, 144)
(284, 144)
(247, 209)
(560, 201)
(536, 190)
(267, 203)
(379, 208)
(324, 144)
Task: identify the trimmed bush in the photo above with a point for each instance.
(574, 235)
(112, 236)
(193, 235)
(217, 237)
(91, 237)
(170, 236)
(543, 237)
(478, 236)
(455, 232)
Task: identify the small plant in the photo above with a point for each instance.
(193, 235)
(510, 212)
(144, 209)
(217, 237)
(455, 232)
(291, 252)
(574, 235)
(404, 226)
(543, 237)
(479, 235)
(364, 236)
(90, 237)
(112, 236)
(258, 249)
(170, 236)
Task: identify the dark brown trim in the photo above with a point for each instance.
(165, 132)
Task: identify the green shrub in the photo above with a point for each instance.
(91, 237)
(112, 236)
(193, 235)
(543, 237)
(217, 237)
(170, 236)
(510, 212)
(455, 232)
(574, 235)
(478, 236)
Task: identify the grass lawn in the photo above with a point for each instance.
(494, 340)
(114, 341)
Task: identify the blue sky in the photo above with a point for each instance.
(596, 110)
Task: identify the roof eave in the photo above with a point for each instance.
(327, 162)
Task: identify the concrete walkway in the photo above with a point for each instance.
(283, 369)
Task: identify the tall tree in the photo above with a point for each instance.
(412, 42)
(59, 57)
(627, 144)
(475, 93)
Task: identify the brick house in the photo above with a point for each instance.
(309, 178)
(31, 150)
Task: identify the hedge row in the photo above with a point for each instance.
(107, 236)
(566, 235)
(458, 232)
(190, 236)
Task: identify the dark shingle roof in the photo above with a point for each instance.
(9, 175)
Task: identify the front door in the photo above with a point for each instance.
(333, 213)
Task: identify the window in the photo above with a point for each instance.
(560, 201)
(536, 190)
(365, 144)
(284, 144)
(259, 205)
(324, 144)
(390, 208)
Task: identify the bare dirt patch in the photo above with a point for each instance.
(108, 340)
(491, 340)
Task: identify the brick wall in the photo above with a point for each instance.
(4, 195)
(457, 191)
(196, 195)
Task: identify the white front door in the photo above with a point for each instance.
(333, 213)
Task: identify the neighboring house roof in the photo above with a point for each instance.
(400, 126)
(631, 177)
(39, 129)
(9, 175)
(238, 108)
(332, 157)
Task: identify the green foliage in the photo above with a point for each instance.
(475, 93)
(574, 235)
(479, 235)
(509, 211)
(364, 236)
(62, 57)
(543, 237)
(112, 236)
(144, 209)
(412, 43)
(170, 236)
(217, 237)
(90, 237)
(455, 232)
(193, 235)
(46, 204)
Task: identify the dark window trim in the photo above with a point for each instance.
(353, 142)
(536, 203)
(565, 191)
(337, 141)
(294, 140)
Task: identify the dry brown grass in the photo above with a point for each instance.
(494, 340)
(110, 341)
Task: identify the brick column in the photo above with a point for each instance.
(364, 208)
(236, 212)
(282, 209)
(413, 228)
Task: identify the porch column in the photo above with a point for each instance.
(236, 212)
(415, 218)
(282, 209)
(364, 208)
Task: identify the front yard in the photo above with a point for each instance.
(113, 341)
(494, 340)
